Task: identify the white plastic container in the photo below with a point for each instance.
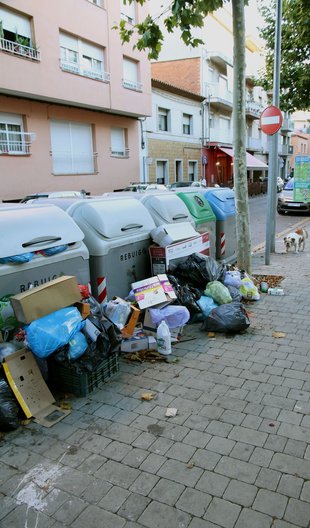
(163, 338)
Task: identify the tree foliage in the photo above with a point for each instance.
(295, 52)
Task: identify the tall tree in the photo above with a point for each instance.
(187, 15)
(295, 52)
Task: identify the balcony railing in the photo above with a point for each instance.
(73, 67)
(15, 143)
(253, 108)
(18, 49)
(220, 136)
(287, 125)
(71, 163)
(120, 153)
(254, 143)
(132, 85)
(219, 95)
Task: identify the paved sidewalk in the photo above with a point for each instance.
(236, 455)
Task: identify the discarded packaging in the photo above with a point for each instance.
(275, 291)
(171, 412)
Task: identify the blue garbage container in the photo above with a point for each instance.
(222, 201)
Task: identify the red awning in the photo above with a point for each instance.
(251, 162)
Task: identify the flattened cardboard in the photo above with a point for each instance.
(30, 389)
(161, 257)
(130, 326)
(154, 291)
(43, 300)
(138, 343)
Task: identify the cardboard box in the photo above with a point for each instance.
(136, 343)
(43, 300)
(30, 389)
(154, 291)
(130, 326)
(161, 257)
(83, 308)
(167, 234)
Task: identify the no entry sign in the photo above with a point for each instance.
(271, 120)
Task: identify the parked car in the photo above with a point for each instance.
(280, 184)
(186, 184)
(56, 194)
(286, 203)
(143, 187)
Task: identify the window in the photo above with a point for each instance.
(161, 172)
(82, 58)
(178, 170)
(128, 12)
(130, 75)
(163, 119)
(72, 148)
(16, 35)
(192, 171)
(187, 124)
(118, 143)
(13, 139)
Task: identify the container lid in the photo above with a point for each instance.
(198, 206)
(28, 228)
(166, 208)
(222, 202)
(111, 219)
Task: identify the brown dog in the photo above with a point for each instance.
(296, 240)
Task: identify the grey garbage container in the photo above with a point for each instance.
(117, 235)
(35, 229)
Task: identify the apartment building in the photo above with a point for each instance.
(300, 147)
(70, 96)
(172, 136)
(208, 71)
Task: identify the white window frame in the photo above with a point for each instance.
(131, 74)
(118, 144)
(70, 153)
(8, 142)
(163, 115)
(165, 163)
(75, 51)
(178, 162)
(187, 124)
(128, 12)
(17, 34)
(195, 165)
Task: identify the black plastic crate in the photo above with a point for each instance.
(65, 378)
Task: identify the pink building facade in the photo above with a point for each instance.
(70, 97)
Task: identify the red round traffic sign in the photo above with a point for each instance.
(271, 120)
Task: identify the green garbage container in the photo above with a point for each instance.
(203, 216)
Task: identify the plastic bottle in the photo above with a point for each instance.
(163, 338)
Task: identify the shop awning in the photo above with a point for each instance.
(251, 162)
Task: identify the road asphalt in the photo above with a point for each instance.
(236, 455)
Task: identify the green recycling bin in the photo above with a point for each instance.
(203, 216)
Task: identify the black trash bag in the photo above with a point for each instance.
(186, 295)
(110, 335)
(234, 293)
(198, 269)
(9, 409)
(230, 317)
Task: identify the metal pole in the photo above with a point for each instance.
(273, 166)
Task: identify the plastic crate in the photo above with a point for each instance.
(82, 383)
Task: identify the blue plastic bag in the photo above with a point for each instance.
(47, 334)
(77, 346)
(174, 315)
(54, 250)
(17, 259)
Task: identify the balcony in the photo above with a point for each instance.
(253, 109)
(287, 125)
(72, 163)
(254, 144)
(15, 143)
(286, 150)
(73, 67)
(124, 153)
(219, 96)
(132, 85)
(220, 136)
(219, 58)
(18, 49)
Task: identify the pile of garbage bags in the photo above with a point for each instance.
(212, 293)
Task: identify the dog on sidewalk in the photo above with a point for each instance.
(296, 240)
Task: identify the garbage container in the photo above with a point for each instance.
(117, 235)
(166, 208)
(36, 229)
(203, 216)
(222, 201)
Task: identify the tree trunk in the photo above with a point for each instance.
(239, 140)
